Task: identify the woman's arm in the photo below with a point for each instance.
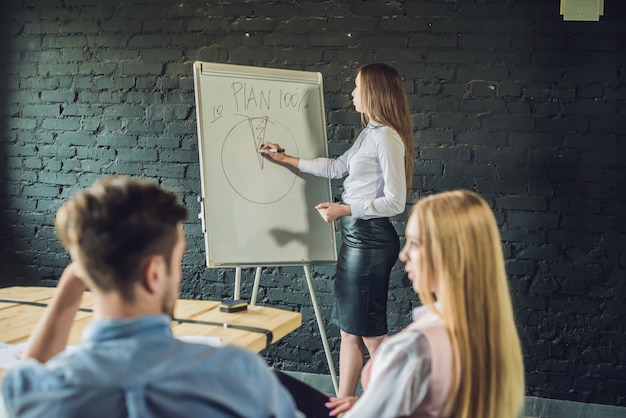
(330, 168)
(321, 167)
(390, 152)
(280, 157)
(391, 200)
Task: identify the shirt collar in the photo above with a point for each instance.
(418, 311)
(373, 124)
(114, 328)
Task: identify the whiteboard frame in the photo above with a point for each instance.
(209, 69)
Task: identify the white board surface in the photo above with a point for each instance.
(255, 212)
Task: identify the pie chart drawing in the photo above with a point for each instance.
(251, 174)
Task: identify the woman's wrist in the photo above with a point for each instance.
(292, 161)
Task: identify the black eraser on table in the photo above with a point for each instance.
(233, 305)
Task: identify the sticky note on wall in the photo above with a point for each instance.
(582, 10)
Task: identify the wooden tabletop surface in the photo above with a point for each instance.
(255, 328)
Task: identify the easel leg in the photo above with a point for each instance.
(318, 315)
(255, 288)
(237, 282)
(320, 324)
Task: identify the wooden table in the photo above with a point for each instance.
(255, 329)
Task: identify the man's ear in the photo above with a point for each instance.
(154, 272)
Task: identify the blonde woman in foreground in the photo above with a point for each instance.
(461, 356)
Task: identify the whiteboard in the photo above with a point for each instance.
(255, 212)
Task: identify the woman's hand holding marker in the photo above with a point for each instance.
(272, 150)
(276, 153)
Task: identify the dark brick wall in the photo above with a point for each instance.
(508, 100)
(4, 53)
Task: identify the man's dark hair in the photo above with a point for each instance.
(115, 225)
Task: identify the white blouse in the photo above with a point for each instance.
(375, 185)
(399, 378)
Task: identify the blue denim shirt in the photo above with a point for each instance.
(136, 368)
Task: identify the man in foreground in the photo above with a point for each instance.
(126, 242)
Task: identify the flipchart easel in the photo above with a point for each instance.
(239, 108)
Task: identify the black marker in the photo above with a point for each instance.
(262, 151)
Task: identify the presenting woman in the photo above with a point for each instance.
(378, 170)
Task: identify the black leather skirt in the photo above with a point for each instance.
(367, 254)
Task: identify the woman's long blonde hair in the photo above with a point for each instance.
(385, 100)
(462, 258)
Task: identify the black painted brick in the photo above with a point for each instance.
(508, 100)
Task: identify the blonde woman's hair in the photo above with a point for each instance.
(462, 258)
(385, 100)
